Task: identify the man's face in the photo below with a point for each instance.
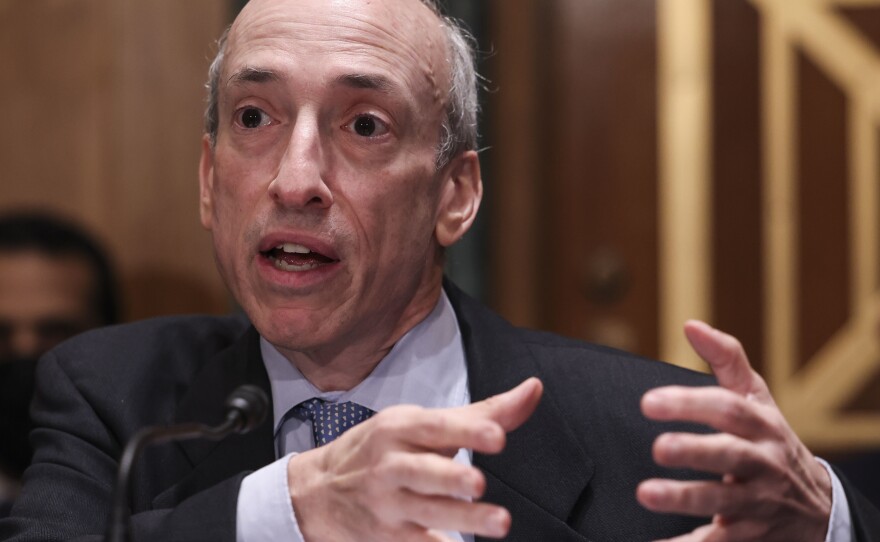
(43, 300)
(322, 193)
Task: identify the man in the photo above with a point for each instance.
(338, 165)
(55, 282)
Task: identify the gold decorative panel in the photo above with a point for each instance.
(813, 389)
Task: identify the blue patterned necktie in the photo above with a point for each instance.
(329, 420)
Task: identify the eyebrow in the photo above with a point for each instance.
(365, 81)
(253, 75)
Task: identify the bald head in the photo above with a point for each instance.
(440, 49)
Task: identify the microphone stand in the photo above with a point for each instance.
(240, 418)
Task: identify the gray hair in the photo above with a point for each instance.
(458, 131)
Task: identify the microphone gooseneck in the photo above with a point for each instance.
(246, 409)
(248, 404)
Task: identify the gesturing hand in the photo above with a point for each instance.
(772, 487)
(393, 477)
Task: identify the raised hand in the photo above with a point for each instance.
(393, 477)
(772, 487)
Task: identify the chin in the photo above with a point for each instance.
(291, 328)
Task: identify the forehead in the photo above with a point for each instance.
(402, 40)
(33, 285)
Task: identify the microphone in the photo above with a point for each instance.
(246, 409)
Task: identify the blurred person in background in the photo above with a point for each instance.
(55, 282)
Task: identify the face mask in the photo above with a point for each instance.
(16, 390)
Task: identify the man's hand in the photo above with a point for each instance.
(392, 477)
(772, 487)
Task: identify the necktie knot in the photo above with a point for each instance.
(330, 420)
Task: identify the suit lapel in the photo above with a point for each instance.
(214, 461)
(539, 476)
(543, 469)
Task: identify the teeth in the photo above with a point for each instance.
(292, 248)
(284, 266)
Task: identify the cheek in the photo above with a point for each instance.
(243, 174)
(237, 187)
(401, 217)
(235, 195)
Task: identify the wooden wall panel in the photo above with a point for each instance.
(108, 98)
(823, 203)
(737, 270)
(516, 130)
(867, 21)
(164, 61)
(600, 179)
(793, 156)
(55, 79)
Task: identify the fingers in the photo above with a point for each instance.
(396, 469)
(769, 490)
(719, 408)
(694, 498)
(430, 487)
(443, 513)
(717, 454)
(394, 473)
(481, 426)
(511, 408)
(440, 430)
(727, 358)
(430, 474)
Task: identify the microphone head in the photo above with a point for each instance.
(250, 404)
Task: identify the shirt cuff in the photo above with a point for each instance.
(264, 511)
(840, 523)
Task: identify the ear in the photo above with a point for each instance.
(460, 196)
(206, 183)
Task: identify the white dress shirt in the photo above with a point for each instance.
(426, 367)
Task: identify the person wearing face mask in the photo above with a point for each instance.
(55, 282)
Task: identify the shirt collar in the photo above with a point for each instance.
(426, 367)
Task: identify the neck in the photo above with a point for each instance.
(342, 368)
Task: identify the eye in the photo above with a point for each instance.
(252, 117)
(367, 126)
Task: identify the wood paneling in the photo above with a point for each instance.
(164, 61)
(55, 79)
(823, 203)
(601, 174)
(573, 136)
(865, 19)
(106, 101)
(738, 277)
(794, 115)
(516, 131)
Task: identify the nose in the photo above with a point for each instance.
(300, 183)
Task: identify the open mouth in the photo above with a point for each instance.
(293, 257)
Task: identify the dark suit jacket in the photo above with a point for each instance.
(569, 474)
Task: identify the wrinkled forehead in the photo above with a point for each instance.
(403, 37)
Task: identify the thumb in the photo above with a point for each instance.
(513, 407)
